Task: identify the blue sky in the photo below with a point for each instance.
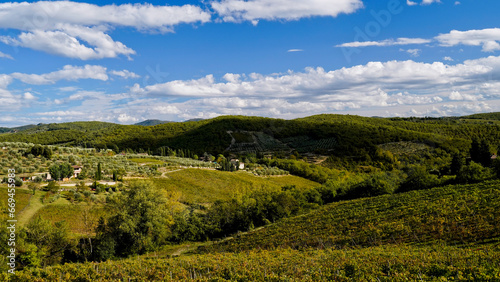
(125, 62)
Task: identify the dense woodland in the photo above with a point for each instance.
(323, 184)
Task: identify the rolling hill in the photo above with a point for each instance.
(341, 135)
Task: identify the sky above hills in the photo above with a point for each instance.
(125, 62)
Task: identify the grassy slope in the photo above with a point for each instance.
(73, 214)
(198, 186)
(452, 214)
(207, 186)
(22, 198)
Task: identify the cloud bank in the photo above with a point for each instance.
(61, 28)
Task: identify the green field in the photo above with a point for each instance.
(207, 186)
(73, 214)
(22, 198)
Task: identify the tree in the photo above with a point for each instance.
(141, 222)
(52, 187)
(61, 171)
(50, 241)
(457, 162)
(98, 173)
(47, 152)
(418, 178)
(472, 173)
(480, 152)
(33, 187)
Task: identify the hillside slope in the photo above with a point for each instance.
(342, 135)
(452, 214)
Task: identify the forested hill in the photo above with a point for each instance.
(486, 116)
(16, 129)
(151, 122)
(342, 135)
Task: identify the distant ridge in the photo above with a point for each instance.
(194, 119)
(151, 122)
(16, 129)
(486, 116)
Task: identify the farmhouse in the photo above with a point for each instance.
(76, 170)
(238, 164)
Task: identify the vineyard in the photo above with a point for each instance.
(451, 215)
(383, 263)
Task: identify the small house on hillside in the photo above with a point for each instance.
(76, 170)
(237, 164)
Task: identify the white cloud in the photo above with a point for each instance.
(29, 96)
(447, 58)
(124, 118)
(61, 113)
(255, 10)
(5, 80)
(7, 56)
(457, 96)
(457, 3)
(61, 27)
(295, 50)
(125, 74)
(376, 88)
(412, 52)
(388, 42)
(487, 38)
(428, 2)
(424, 2)
(367, 85)
(68, 72)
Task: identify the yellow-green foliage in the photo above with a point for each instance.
(146, 161)
(386, 263)
(207, 186)
(73, 214)
(22, 198)
(453, 214)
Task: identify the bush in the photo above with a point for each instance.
(376, 185)
(418, 179)
(472, 173)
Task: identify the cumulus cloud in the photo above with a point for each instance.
(255, 10)
(388, 85)
(29, 96)
(392, 87)
(457, 96)
(487, 38)
(126, 74)
(80, 30)
(336, 85)
(71, 73)
(388, 42)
